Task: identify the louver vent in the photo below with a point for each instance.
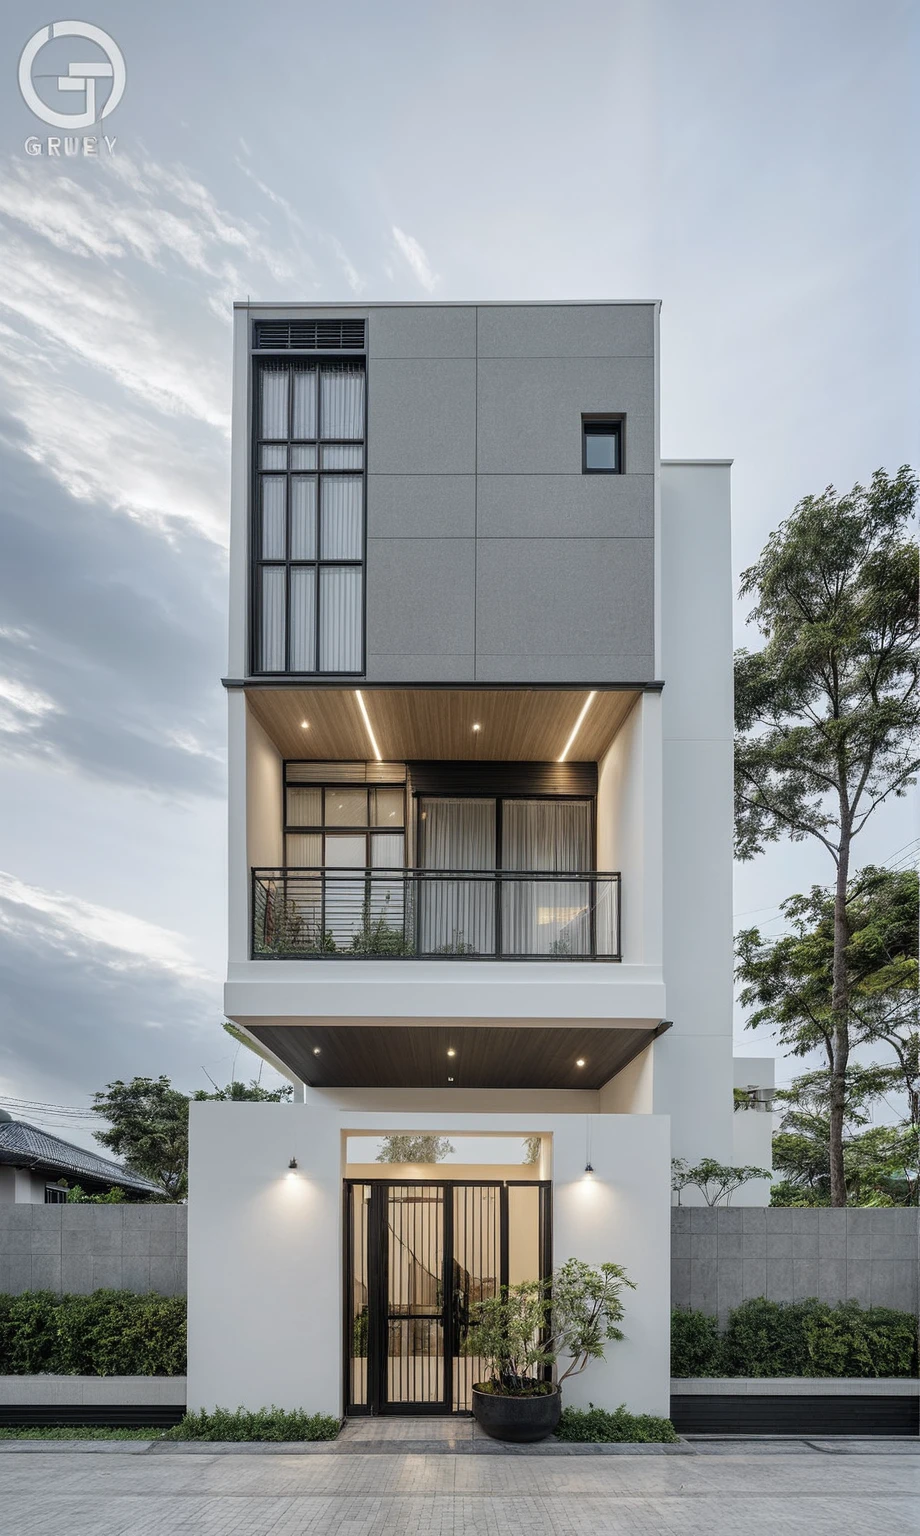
(309, 335)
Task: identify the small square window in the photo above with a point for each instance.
(602, 446)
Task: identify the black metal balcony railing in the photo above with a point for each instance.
(422, 914)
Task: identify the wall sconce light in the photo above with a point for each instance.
(292, 1164)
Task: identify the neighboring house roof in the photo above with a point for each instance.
(27, 1146)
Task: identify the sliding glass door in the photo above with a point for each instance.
(509, 912)
(546, 917)
(457, 916)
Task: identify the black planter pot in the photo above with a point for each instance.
(520, 1419)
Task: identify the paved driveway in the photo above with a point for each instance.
(721, 1490)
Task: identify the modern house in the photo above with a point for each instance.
(480, 843)
(37, 1168)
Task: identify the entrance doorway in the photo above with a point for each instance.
(418, 1256)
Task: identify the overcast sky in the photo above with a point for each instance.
(754, 167)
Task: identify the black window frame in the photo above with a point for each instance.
(591, 427)
(313, 362)
(324, 828)
(55, 1194)
(500, 800)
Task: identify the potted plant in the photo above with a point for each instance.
(520, 1334)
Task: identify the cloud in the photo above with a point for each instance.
(122, 942)
(113, 642)
(413, 253)
(92, 993)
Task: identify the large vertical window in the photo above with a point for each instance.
(308, 527)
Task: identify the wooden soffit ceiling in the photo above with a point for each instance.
(429, 724)
(490, 1056)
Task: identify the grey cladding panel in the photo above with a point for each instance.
(570, 506)
(567, 330)
(421, 417)
(421, 506)
(530, 412)
(423, 331)
(420, 597)
(569, 601)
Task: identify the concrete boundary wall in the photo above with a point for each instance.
(722, 1257)
(718, 1258)
(83, 1248)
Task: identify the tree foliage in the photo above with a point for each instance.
(716, 1181)
(827, 711)
(148, 1124)
(414, 1149)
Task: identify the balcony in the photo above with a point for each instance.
(420, 914)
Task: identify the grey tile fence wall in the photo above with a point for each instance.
(722, 1257)
(82, 1248)
(718, 1258)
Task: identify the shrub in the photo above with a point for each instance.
(696, 1347)
(108, 1333)
(260, 1424)
(795, 1338)
(597, 1424)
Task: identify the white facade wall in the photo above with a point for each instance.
(265, 1268)
(693, 1061)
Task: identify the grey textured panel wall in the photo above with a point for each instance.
(422, 331)
(722, 1257)
(82, 1248)
(530, 410)
(570, 330)
(421, 416)
(474, 434)
(420, 605)
(564, 609)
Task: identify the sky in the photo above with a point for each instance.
(754, 167)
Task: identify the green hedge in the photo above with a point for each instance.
(599, 1426)
(795, 1338)
(261, 1424)
(108, 1333)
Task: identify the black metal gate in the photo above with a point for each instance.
(418, 1255)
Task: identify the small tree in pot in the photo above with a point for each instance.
(521, 1334)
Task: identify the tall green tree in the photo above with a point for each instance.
(148, 1124)
(788, 984)
(880, 1161)
(827, 710)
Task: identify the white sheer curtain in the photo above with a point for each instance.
(341, 535)
(340, 588)
(303, 418)
(342, 402)
(272, 627)
(457, 915)
(553, 916)
(303, 517)
(275, 384)
(273, 530)
(303, 618)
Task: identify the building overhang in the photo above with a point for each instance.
(326, 1054)
(404, 724)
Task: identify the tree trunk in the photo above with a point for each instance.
(840, 1006)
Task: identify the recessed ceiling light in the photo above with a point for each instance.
(450, 1079)
(477, 726)
(316, 1050)
(452, 1052)
(304, 725)
(580, 1062)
